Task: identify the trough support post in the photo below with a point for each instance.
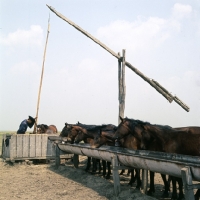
(187, 182)
(76, 160)
(116, 179)
(57, 156)
(144, 180)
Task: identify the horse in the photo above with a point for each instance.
(180, 140)
(92, 133)
(43, 128)
(128, 127)
(69, 133)
(106, 138)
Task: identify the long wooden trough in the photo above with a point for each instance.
(186, 167)
(155, 161)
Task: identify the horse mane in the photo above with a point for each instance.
(157, 126)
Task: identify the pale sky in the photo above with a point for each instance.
(80, 83)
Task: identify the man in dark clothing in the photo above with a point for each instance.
(25, 124)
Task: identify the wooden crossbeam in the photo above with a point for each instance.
(152, 82)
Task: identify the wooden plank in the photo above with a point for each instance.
(26, 145)
(13, 147)
(44, 144)
(38, 145)
(32, 153)
(50, 148)
(19, 145)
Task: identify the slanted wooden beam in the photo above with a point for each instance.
(156, 85)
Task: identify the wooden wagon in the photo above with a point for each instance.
(29, 147)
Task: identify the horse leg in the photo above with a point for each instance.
(180, 183)
(109, 170)
(88, 164)
(166, 184)
(139, 182)
(100, 168)
(152, 187)
(104, 168)
(197, 195)
(94, 165)
(132, 178)
(174, 190)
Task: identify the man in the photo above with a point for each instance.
(25, 124)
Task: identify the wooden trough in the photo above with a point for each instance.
(186, 167)
(29, 147)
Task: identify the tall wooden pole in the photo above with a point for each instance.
(41, 78)
(122, 86)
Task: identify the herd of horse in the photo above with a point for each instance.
(138, 135)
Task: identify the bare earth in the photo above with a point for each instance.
(44, 181)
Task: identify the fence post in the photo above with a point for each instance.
(76, 160)
(116, 179)
(57, 157)
(187, 182)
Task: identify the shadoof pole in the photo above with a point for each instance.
(121, 85)
(152, 82)
(41, 78)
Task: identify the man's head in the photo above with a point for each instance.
(30, 121)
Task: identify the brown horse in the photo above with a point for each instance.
(92, 133)
(43, 128)
(70, 134)
(181, 141)
(106, 137)
(131, 127)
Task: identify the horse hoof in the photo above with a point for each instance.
(130, 184)
(181, 196)
(107, 177)
(150, 192)
(174, 197)
(165, 194)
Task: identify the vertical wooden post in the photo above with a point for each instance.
(144, 180)
(57, 157)
(76, 160)
(187, 182)
(122, 86)
(38, 102)
(116, 179)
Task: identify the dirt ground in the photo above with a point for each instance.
(44, 181)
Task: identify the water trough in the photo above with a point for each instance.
(187, 167)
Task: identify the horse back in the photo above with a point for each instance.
(52, 129)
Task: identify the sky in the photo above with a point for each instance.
(80, 82)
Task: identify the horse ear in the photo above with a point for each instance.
(66, 123)
(121, 118)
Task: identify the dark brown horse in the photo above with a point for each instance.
(43, 128)
(180, 140)
(93, 133)
(107, 138)
(131, 127)
(69, 133)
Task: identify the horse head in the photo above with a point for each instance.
(124, 128)
(42, 128)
